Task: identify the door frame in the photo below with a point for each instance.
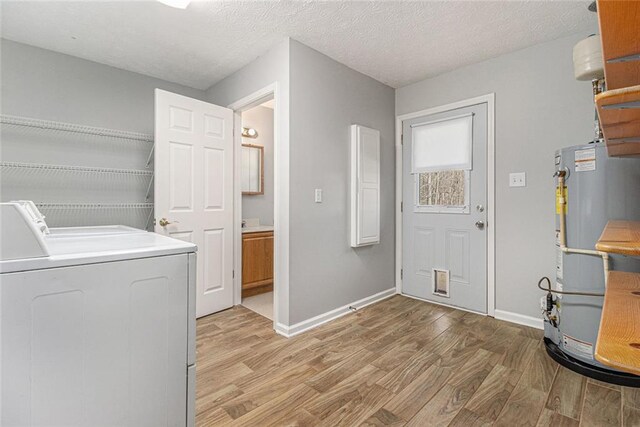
(280, 195)
(488, 99)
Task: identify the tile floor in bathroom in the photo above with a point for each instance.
(261, 304)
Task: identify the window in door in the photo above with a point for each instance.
(442, 191)
(441, 155)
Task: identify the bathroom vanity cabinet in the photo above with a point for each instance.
(257, 263)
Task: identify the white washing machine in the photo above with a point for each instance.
(97, 325)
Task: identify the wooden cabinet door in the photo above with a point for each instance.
(257, 259)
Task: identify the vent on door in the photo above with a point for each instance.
(440, 282)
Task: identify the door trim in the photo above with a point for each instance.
(280, 196)
(488, 99)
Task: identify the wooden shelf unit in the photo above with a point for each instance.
(619, 22)
(618, 342)
(619, 113)
(620, 237)
(619, 106)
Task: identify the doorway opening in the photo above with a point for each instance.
(257, 208)
(280, 188)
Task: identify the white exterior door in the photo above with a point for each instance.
(445, 209)
(194, 189)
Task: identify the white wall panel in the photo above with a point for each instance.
(214, 183)
(214, 255)
(57, 323)
(180, 119)
(213, 126)
(180, 177)
(457, 255)
(424, 250)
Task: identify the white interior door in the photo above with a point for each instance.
(194, 189)
(445, 207)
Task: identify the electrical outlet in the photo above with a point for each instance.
(518, 179)
(318, 195)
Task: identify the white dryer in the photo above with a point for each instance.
(97, 326)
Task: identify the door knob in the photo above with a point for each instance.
(479, 225)
(164, 222)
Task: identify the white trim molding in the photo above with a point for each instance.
(314, 322)
(507, 316)
(520, 319)
(428, 301)
(488, 99)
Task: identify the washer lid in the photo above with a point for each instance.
(96, 248)
(92, 230)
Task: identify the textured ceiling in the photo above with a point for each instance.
(395, 42)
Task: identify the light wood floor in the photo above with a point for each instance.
(398, 362)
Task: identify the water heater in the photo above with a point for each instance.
(597, 188)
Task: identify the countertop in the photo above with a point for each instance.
(257, 229)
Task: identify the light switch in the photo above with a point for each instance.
(518, 179)
(318, 195)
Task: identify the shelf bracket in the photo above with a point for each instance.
(628, 58)
(146, 226)
(622, 106)
(149, 187)
(153, 147)
(624, 140)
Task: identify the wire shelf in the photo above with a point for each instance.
(78, 206)
(138, 215)
(74, 128)
(59, 175)
(83, 169)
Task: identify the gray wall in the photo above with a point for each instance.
(52, 86)
(260, 206)
(539, 108)
(326, 98)
(322, 98)
(46, 85)
(272, 67)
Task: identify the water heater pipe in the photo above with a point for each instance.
(562, 201)
(548, 289)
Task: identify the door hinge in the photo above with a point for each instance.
(401, 206)
(402, 139)
(401, 273)
(233, 274)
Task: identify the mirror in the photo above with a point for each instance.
(252, 169)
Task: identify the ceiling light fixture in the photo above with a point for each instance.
(178, 4)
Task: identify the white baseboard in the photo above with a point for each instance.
(305, 325)
(520, 319)
(507, 316)
(442, 304)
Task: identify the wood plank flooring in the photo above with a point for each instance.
(398, 362)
